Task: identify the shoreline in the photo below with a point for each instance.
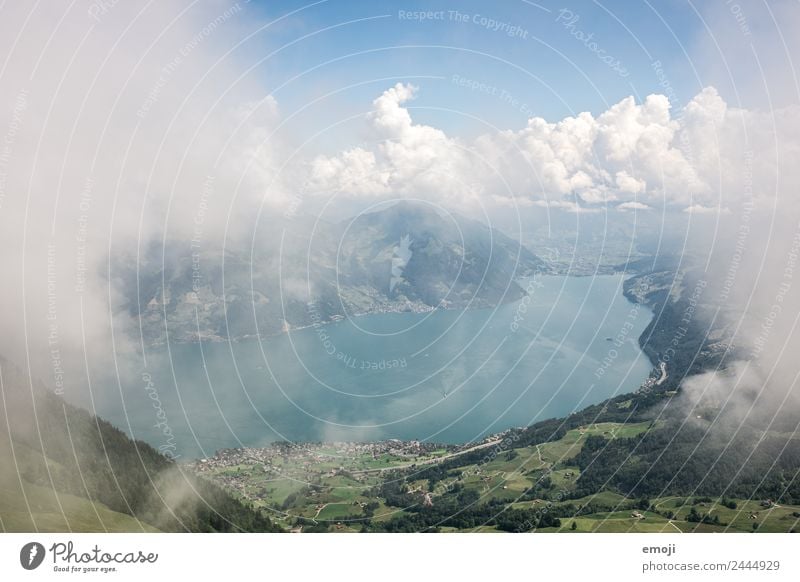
(627, 274)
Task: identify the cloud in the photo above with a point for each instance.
(565, 205)
(751, 254)
(632, 206)
(393, 120)
(408, 157)
(643, 153)
(700, 209)
(354, 171)
(127, 127)
(751, 278)
(628, 184)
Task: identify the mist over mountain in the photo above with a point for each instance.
(400, 258)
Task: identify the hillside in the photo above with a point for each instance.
(67, 470)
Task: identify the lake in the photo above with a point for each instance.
(444, 376)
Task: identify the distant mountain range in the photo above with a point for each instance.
(301, 271)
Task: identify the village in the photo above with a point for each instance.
(257, 472)
(322, 455)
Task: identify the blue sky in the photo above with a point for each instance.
(545, 68)
(457, 76)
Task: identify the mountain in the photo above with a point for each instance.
(67, 470)
(409, 252)
(302, 271)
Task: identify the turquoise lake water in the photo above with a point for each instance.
(444, 376)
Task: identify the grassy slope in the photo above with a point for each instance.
(25, 506)
(51, 511)
(83, 474)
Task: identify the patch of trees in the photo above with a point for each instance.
(458, 508)
(523, 520)
(685, 460)
(695, 516)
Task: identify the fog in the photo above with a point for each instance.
(124, 126)
(750, 254)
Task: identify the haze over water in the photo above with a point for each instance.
(444, 376)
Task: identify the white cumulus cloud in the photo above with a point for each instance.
(633, 155)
